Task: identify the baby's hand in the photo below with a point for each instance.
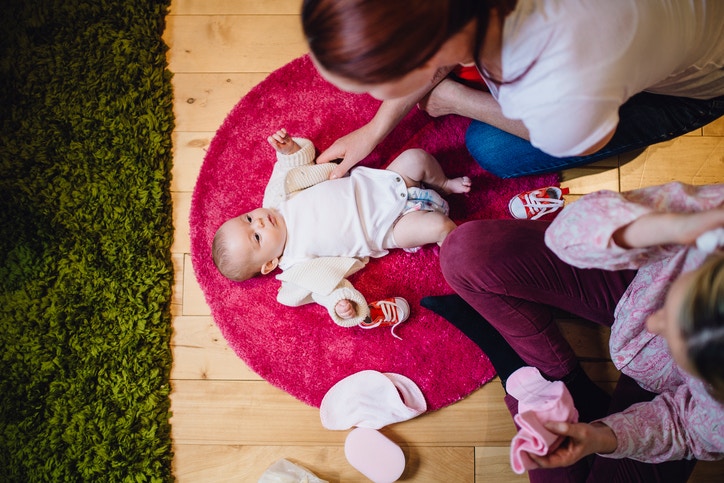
(283, 143)
(345, 309)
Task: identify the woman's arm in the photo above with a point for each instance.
(356, 145)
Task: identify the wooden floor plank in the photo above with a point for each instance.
(234, 7)
(233, 43)
(203, 100)
(255, 413)
(202, 352)
(226, 463)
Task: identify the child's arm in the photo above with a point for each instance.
(294, 295)
(345, 309)
(276, 189)
(283, 143)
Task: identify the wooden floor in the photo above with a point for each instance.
(228, 423)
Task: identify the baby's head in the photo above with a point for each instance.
(250, 244)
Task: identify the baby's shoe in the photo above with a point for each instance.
(387, 312)
(534, 204)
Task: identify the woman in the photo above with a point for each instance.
(625, 260)
(567, 82)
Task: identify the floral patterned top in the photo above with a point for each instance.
(683, 421)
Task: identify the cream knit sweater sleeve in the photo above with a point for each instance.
(275, 189)
(324, 281)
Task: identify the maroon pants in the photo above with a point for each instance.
(503, 269)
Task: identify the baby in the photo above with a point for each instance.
(321, 231)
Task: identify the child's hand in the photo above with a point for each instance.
(283, 143)
(345, 309)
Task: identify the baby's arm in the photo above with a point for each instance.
(344, 292)
(283, 143)
(345, 309)
(294, 295)
(276, 191)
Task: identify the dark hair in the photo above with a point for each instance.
(702, 323)
(375, 41)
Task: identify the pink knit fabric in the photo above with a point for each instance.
(539, 401)
(299, 349)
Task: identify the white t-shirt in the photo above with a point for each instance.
(582, 59)
(351, 216)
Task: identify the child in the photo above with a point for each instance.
(319, 233)
(644, 263)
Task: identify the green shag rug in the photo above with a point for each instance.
(85, 237)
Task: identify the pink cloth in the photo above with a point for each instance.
(539, 401)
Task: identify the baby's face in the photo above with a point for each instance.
(261, 233)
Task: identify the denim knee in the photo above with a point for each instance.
(488, 145)
(508, 156)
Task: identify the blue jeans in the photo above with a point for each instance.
(645, 119)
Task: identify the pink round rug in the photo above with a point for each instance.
(300, 350)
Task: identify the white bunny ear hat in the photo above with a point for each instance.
(371, 399)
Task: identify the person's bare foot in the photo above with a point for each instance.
(443, 99)
(457, 185)
(283, 143)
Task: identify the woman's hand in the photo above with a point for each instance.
(582, 440)
(345, 309)
(351, 149)
(357, 145)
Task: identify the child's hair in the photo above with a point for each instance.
(233, 264)
(702, 323)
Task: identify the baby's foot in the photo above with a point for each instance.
(283, 143)
(457, 185)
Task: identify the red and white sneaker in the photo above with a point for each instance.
(534, 204)
(387, 312)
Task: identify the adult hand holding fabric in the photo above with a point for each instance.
(539, 401)
(583, 439)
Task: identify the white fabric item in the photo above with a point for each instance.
(352, 216)
(711, 241)
(580, 60)
(371, 399)
(284, 471)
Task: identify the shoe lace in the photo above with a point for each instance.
(540, 206)
(389, 310)
(390, 313)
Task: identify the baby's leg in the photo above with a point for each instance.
(419, 228)
(417, 165)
